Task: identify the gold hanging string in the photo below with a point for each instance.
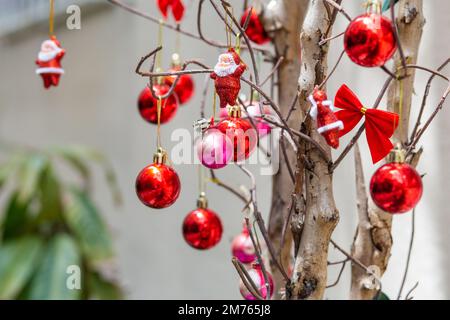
(238, 44)
(160, 40)
(201, 180)
(228, 31)
(214, 104)
(51, 18)
(177, 42)
(158, 128)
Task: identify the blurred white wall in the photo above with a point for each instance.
(95, 105)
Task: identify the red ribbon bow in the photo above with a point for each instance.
(380, 125)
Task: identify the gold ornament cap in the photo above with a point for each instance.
(202, 202)
(234, 111)
(160, 157)
(373, 6)
(176, 60)
(397, 155)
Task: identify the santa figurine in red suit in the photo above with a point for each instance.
(226, 75)
(328, 124)
(49, 62)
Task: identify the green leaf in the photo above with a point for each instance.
(102, 289)
(85, 222)
(9, 168)
(79, 158)
(30, 174)
(50, 196)
(18, 259)
(387, 5)
(15, 220)
(51, 277)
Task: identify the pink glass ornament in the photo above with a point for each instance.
(257, 276)
(254, 111)
(215, 149)
(242, 247)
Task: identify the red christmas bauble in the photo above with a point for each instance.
(242, 135)
(147, 104)
(370, 40)
(396, 187)
(158, 186)
(202, 229)
(257, 276)
(255, 29)
(184, 87)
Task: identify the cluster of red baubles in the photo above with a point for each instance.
(395, 187)
(182, 93)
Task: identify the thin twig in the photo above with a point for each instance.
(408, 259)
(424, 99)
(339, 275)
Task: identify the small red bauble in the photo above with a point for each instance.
(396, 187)
(147, 104)
(240, 132)
(257, 276)
(370, 40)
(255, 29)
(158, 186)
(185, 84)
(242, 247)
(202, 228)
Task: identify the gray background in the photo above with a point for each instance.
(95, 105)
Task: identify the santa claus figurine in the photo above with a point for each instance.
(328, 124)
(226, 75)
(49, 62)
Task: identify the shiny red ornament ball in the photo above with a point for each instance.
(396, 187)
(184, 88)
(242, 135)
(147, 104)
(257, 276)
(158, 186)
(255, 29)
(370, 40)
(202, 229)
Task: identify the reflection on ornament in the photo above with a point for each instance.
(370, 39)
(158, 185)
(214, 149)
(202, 228)
(257, 276)
(147, 104)
(240, 132)
(396, 187)
(242, 247)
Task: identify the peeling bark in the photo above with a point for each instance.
(373, 243)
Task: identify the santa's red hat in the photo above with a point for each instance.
(56, 41)
(236, 57)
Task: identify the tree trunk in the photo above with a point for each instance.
(321, 215)
(285, 19)
(373, 242)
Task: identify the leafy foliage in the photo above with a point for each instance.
(50, 224)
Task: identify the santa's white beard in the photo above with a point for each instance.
(225, 71)
(47, 56)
